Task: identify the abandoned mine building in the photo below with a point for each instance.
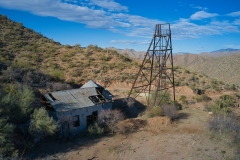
(76, 109)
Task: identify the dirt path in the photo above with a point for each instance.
(183, 139)
(216, 95)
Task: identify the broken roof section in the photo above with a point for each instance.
(91, 83)
(72, 99)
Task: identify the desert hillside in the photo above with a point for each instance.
(25, 49)
(224, 68)
(204, 118)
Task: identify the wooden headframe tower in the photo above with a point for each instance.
(155, 76)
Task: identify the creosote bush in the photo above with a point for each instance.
(154, 112)
(170, 111)
(183, 99)
(223, 123)
(109, 119)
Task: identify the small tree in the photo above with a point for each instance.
(17, 102)
(6, 135)
(110, 118)
(41, 124)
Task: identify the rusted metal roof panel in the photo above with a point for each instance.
(71, 99)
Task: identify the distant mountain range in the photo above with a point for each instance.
(225, 50)
(140, 54)
(222, 64)
(130, 52)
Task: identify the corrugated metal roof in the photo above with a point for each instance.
(91, 83)
(71, 99)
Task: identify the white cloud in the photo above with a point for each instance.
(199, 48)
(236, 22)
(234, 14)
(198, 7)
(113, 17)
(109, 4)
(202, 15)
(137, 26)
(71, 1)
(232, 46)
(183, 29)
(129, 42)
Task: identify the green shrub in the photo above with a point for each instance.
(154, 112)
(57, 74)
(199, 99)
(6, 136)
(227, 100)
(88, 53)
(176, 83)
(68, 46)
(183, 99)
(192, 78)
(70, 54)
(95, 130)
(105, 58)
(41, 124)
(22, 64)
(186, 71)
(206, 87)
(219, 107)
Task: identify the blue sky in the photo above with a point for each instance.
(196, 25)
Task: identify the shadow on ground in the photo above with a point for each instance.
(130, 112)
(51, 148)
(183, 115)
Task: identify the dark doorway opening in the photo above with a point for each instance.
(93, 118)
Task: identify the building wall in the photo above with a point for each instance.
(66, 118)
(107, 105)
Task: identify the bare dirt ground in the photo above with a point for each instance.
(158, 139)
(182, 139)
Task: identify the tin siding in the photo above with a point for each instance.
(83, 113)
